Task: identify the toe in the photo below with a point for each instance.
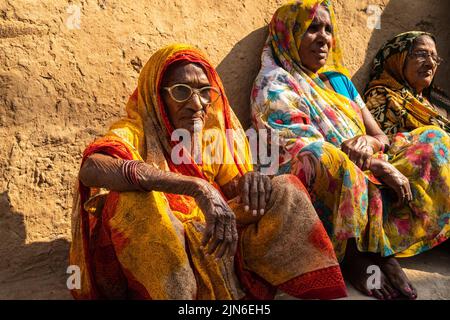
(408, 292)
(386, 293)
(367, 292)
(414, 291)
(377, 294)
(392, 292)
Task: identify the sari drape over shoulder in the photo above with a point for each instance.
(392, 101)
(312, 121)
(146, 245)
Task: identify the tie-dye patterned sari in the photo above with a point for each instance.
(146, 245)
(312, 121)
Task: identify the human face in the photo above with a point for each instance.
(316, 42)
(419, 73)
(184, 115)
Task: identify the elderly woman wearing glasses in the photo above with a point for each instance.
(401, 95)
(170, 229)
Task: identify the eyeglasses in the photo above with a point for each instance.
(422, 56)
(182, 92)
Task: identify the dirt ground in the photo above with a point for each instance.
(68, 67)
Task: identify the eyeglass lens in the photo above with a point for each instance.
(184, 92)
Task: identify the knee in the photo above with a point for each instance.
(432, 135)
(324, 154)
(437, 142)
(315, 149)
(283, 184)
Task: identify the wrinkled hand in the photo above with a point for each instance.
(360, 150)
(393, 179)
(220, 233)
(254, 192)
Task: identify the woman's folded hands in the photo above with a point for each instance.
(254, 190)
(360, 150)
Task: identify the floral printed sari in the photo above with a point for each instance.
(312, 121)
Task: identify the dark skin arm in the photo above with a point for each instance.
(361, 148)
(230, 190)
(220, 233)
(394, 179)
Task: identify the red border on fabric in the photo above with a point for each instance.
(255, 287)
(106, 146)
(325, 284)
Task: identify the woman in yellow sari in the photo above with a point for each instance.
(175, 223)
(378, 199)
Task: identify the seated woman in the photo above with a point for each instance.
(401, 95)
(165, 229)
(377, 200)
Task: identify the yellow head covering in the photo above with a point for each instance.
(147, 119)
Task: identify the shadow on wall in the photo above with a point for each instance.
(239, 69)
(429, 16)
(36, 270)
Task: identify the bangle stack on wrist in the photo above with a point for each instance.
(129, 171)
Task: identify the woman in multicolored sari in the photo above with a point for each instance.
(173, 219)
(378, 199)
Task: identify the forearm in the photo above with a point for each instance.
(230, 190)
(373, 130)
(107, 172)
(378, 167)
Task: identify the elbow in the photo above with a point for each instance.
(86, 173)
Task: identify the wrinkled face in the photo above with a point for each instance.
(316, 42)
(183, 115)
(419, 72)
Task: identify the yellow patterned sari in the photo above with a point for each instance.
(146, 245)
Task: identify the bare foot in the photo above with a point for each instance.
(397, 277)
(355, 270)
